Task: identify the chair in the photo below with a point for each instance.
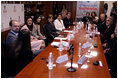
(49, 37)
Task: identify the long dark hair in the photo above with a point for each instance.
(30, 27)
(24, 37)
(94, 13)
(106, 6)
(35, 19)
(22, 41)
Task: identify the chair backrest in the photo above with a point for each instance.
(44, 29)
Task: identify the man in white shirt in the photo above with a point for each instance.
(59, 23)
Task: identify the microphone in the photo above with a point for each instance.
(71, 45)
(71, 69)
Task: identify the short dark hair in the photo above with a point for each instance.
(88, 13)
(11, 23)
(94, 13)
(59, 14)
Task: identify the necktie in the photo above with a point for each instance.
(105, 31)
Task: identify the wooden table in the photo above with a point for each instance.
(38, 67)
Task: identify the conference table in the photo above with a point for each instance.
(38, 67)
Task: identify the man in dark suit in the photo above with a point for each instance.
(108, 31)
(67, 21)
(101, 23)
(12, 35)
(111, 54)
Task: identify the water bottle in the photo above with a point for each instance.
(60, 45)
(50, 61)
(96, 29)
(69, 37)
(79, 50)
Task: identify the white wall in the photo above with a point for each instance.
(11, 11)
(109, 7)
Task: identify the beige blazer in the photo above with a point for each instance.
(36, 30)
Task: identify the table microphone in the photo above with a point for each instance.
(70, 46)
(71, 69)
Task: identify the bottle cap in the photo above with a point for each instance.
(89, 51)
(50, 53)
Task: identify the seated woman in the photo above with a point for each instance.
(59, 23)
(94, 17)
(19, 53)
(50, 28)
(36, 45)
(86, 18)
(36, 27)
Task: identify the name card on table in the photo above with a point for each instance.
(66, 44)
(82, 60)
(86, 45)
(59, 38)
(62, 58)
(68, 31)
(55, 43)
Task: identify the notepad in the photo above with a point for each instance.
(62, 58)
(82, 60)
(86, 45)
(65, 43)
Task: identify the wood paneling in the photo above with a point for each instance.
(4, 35)
(101, 7)
(70, 6)
(48, 9)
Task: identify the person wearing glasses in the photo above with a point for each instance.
(109, 29)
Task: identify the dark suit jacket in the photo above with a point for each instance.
(67, 22)
(101, 25)
(111, 57)
(10, 38)
(50, 29)
(107, 34)
(84, 19)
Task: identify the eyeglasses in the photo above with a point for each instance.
(107, 20)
